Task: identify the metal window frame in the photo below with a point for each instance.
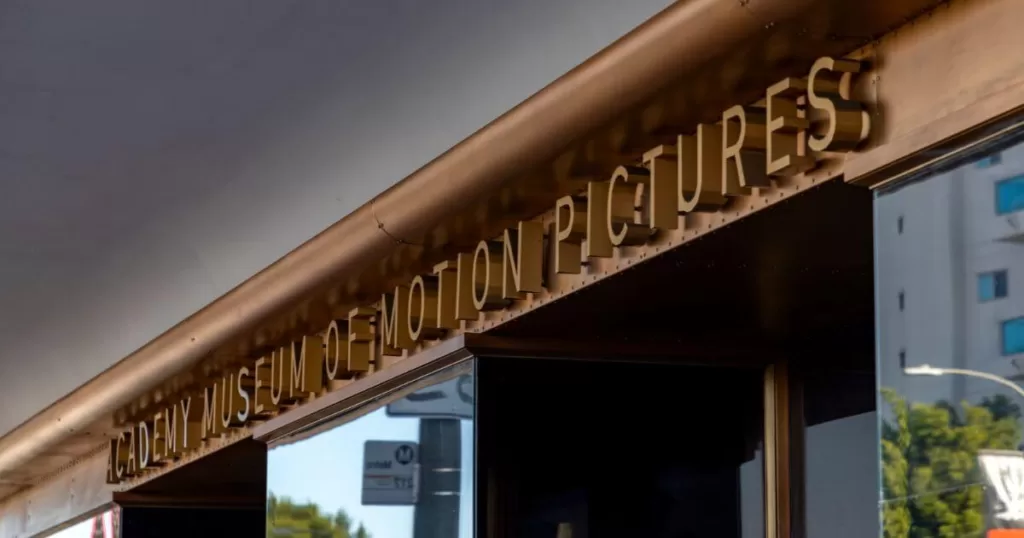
(351, 401)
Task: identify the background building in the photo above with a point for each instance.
(954, 295)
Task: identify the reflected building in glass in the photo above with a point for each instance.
(950, 267)
(950, 256)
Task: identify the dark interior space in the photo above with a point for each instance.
(147, 522)
(233, 476)
(618, 449)
(795, 276)
(653, 450)
(222, 494)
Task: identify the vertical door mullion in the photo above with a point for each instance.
(777, 452)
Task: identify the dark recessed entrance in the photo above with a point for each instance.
(770, 401)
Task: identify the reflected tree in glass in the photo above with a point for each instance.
(931, 481)
(285, 518)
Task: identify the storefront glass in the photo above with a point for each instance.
(593, 449)
(402, 467)
(105, 525)
(834, 469)
(950, 321)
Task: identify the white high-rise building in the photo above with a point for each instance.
(950, 278)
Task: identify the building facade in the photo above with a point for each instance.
(751, 271)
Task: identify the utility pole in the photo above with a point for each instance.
(437, 508)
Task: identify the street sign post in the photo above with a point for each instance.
(390, 473)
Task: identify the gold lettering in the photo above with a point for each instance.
(786, 156)
(700, 170)
(280, 373)
(662, 201)
(394, 310)
(159, 444)
(231, 401)
(703, 170)
(243, 393)
(622, 205)
(599, 243)
(190, 427)
(846, 123)
(523, 262)
(227, 400)
(447, 281)
(145, 446)
(307, 373)
(422, 318)
(133, 463)
(211, 420)
(114, 469)
(336, 358)
(360, 340)
(742, 168)
(464, 307)
(171, 419)
(486, 285)
(124, 455)
(570, 231)
(263, 402)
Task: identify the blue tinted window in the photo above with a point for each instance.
(1013, 336)
(992, 285)
(1010, 195)
(990, 161)
(986, 287)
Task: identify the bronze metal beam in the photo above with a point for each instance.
(469, 345)
(923, 114)
(689, 37)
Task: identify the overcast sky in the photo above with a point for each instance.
(157, 153)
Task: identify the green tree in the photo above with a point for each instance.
(930, 476)
(285, 518)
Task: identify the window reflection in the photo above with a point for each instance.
(402, 469)
(949, 378)
(835, 478)
(1013, 336)
(1010, 195)
(992, 285)
(105, 525)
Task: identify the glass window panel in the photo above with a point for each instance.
(836, 429)
(666, 450)
(103, 525)
(403, 468)
(1013, 336)
(1010, 195)
(989, 161)
(992, 285)
(1000, 284)
(986, 287)
(950, 416)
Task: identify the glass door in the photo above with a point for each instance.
(594, 449)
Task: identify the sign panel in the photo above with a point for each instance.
(390, 472)
(451, 399)
(1004, 480)
(585, 226)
